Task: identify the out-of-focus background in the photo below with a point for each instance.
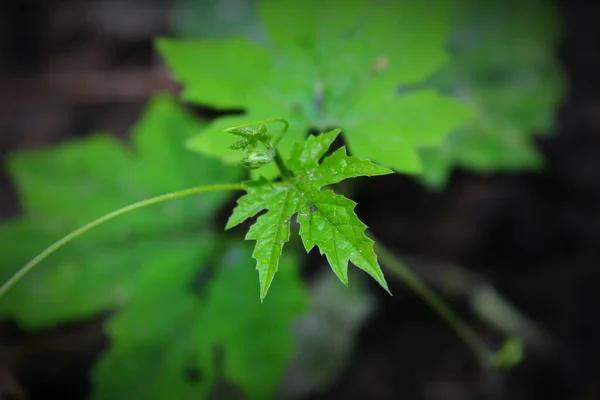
(516, 253)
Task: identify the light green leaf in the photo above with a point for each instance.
(420, 120)
(271, 231)
(326, 220)
(192, 59)
(260, 194)
(331, 63)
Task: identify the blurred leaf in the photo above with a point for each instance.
(164, 344)
(327, 64)
(215, 18)
(504, 64)
(144, 265)
(65, 187)
(510, 354)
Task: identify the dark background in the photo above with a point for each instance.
(70, 67)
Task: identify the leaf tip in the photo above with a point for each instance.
(381, 170)
(160, 43)
(263, 292)
(265, 284)
(385, 287)
(228, 225)
(382, 282)
(332, 134)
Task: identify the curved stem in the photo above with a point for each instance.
(483, 353)
(283, 132)
(141, 204)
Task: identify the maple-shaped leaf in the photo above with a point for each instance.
(504, 64)
(327, 64)
(327, 220)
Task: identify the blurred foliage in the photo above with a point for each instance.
(215, 18)
(504, 64)
(168, 340)
(144, 263)
(327, 64)
(64, 187)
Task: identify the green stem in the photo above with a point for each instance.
(483, 353)
(285, 172)
(141, 204)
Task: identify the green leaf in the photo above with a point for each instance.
(504, 64)
(271, 231)
(64, 187)
(327, 64)
(146, 267)
(170, 353)
(327, 220)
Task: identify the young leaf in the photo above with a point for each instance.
(328, 63)
(250, 140)
(327, 220)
